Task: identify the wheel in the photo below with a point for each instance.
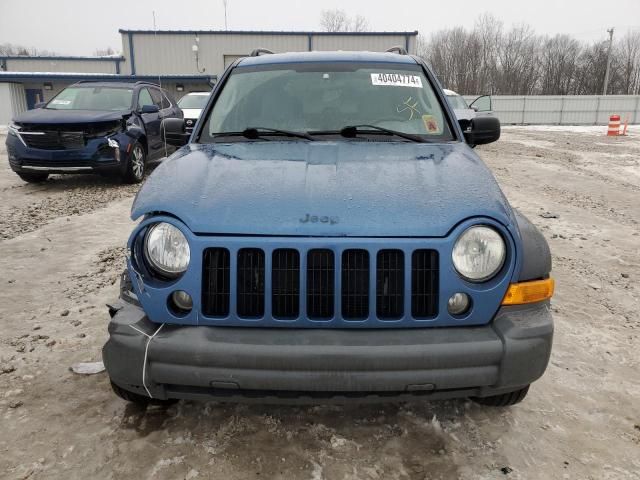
(139, 399)
(504, 399)
(35, 177)
(136, 165)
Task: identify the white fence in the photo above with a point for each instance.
(564, 109)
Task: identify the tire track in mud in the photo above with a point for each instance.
(558, 156)
(66, 197)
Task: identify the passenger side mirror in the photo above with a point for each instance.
(172, 131)
(480, 130)
(149, 109)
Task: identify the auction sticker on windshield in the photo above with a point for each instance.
(396, 79)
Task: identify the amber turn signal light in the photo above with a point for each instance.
(529, 292)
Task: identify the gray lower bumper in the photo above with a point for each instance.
(240, 363)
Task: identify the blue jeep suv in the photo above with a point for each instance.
(104, 127)
(327, 232)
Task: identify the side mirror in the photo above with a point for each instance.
(481, 130)
(149, 109)
(172, 131)
(39, 104)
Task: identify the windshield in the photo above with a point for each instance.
(92, 98)
(193, 101)
(322, 97)
(457, 102)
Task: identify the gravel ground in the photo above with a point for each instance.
(61, 248)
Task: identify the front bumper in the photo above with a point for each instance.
(97, 155)
(300, 365)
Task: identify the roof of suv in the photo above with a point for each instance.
(299, 57)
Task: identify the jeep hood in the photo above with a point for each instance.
(51, 116)
(323, 189)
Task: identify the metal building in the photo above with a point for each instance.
(181, 60)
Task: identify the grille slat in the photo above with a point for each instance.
(285, 283)
(54, 140)
(216, 279)
(355, 284)
(250, 293)
(390, 284)
(424, 283)
(320, 284)
(358, 276)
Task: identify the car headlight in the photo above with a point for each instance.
(478, 254)
(167, 250)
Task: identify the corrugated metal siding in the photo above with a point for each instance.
(12, 101)
(60, 65)
(173, 54)
(352, 42)
(564, 110)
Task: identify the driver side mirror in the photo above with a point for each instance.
(39, 104)
(480, 130)
(149, 109)
(173, 131)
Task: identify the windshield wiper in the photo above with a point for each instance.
(254, 133)
(351, 131)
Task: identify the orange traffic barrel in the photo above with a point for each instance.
(614, 126)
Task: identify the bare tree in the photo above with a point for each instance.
(518, 62)
(338, 21)
(8, 49)
(104, 52)
(628, 55)
(334, 20)
(558, 65)
(487, 59)
(359, 24)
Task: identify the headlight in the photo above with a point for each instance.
(478, 254)
(167, 250)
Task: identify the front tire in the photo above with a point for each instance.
(504, 399)
(136, 165)
(33, 177)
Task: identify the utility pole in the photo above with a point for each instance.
(606, 75)
(224, 2)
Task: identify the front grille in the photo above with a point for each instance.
(355, 284)
(390, 284)
(250, 283)
(285, 283)
(215, 277)
(320, 283)
(424, 284)
(54, 140)
(362, 276)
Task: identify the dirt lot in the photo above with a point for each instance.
(61, 248)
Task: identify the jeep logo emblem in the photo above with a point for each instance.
(308, 218)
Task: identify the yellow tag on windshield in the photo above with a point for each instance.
(431, 124)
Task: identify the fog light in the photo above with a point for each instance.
(182, 301)
(458, 303)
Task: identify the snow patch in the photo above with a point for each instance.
(589, 129)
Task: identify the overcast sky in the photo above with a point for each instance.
(79, 27)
